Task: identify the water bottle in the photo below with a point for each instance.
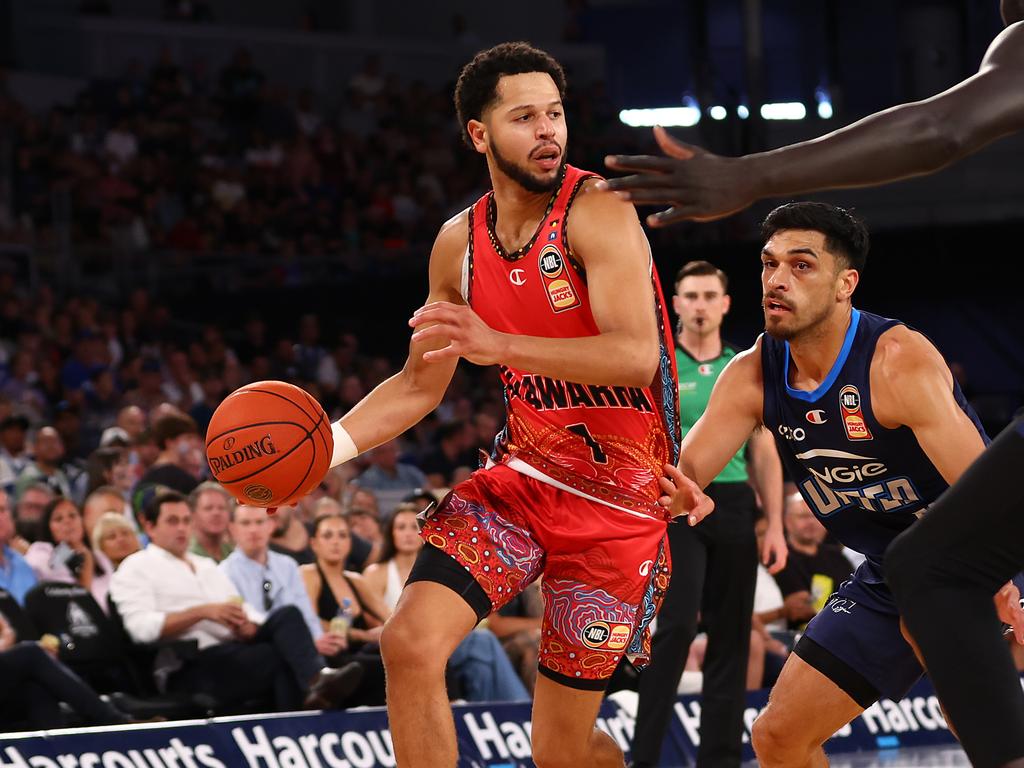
(342, 622)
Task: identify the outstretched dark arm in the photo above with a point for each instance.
(907, 140)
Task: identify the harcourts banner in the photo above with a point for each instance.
(490, 736)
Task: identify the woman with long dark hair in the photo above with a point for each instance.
(63, 553)
(345, 605)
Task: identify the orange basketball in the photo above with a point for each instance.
(269, 443)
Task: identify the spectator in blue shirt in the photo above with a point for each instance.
(268, 580)
(16, 576)
(390, 479)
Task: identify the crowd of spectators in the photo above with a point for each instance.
(137, 534)
(183, 159)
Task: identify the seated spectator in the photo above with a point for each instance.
(181, 458)
(115, 537)
(454, 450)
(364, 498)
(211, 511)
(271, 582)
(104, 499)
(479, 663)
(16, 576)
(110, 467)
(291, 536)
(814, 569)
(366, 525)
(35, 684)
(165, 592)
(32, 500)
(360, 551)
(389, 478)
(132, 421)
(46, 464)
(63, 553)
(330, 587)
(13, 458)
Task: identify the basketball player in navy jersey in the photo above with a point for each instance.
(972, 540)
(555, 284)
(871, 426)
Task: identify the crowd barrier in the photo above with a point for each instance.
(490, 736)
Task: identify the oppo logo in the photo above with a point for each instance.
(796, 435)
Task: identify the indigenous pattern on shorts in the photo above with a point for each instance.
(607, 442)
(605, 572)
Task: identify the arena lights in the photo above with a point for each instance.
(666, 116)
(742, 112)
(821, 96)
(718, 112)
(787, 110)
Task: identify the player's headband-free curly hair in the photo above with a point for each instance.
(477, 86)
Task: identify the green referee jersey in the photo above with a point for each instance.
(696, 378)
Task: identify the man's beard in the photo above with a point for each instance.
(789, 333)
(523, 177)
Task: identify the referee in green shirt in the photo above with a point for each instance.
(714, 565)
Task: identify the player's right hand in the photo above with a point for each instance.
(683, 496)
(699, 185)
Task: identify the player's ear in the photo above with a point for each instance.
(848, 281)
(477, 132)
(726, 303)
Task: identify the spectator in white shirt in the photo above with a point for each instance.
(165, 592)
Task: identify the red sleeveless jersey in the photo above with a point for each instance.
(606, 443)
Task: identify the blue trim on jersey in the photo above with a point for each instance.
(833, 374)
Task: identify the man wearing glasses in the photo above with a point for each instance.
(270, 581)
(165, 592)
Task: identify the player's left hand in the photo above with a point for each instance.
(774, 551)
(468, 336)
(1009, 609)
(683, 496)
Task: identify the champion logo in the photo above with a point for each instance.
(706, 369)
(517, 276)
(816, 417)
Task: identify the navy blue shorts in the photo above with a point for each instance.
(856, 642)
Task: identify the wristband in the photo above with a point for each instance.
(344, 448)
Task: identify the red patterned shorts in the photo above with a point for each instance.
(604, 571)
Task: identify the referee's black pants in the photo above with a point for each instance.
(714, 570)
(944, 571)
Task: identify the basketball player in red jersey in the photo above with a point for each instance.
(554, 282)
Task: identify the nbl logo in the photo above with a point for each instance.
(551, 262)
(596, 634)
(850, 398)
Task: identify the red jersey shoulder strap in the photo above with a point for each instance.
(574, 181)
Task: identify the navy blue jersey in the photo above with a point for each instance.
(864, 482)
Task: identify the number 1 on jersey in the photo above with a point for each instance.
(592, 444)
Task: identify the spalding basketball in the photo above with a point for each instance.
(269, 443)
